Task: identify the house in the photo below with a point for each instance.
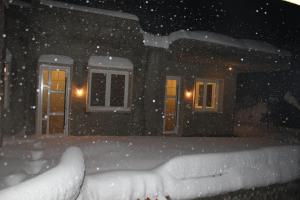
(77, 70)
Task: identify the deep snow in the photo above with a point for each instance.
(141, 167)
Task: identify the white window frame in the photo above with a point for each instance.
(218, 94)
(107, 106)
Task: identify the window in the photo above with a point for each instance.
(207, 95)
(108, 90)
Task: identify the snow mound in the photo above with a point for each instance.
(63, 182)
(199, 175)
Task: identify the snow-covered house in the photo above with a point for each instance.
(78, 71)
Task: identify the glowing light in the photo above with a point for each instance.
(230, 68)
(79, 92)
(188, 94)
(293, 1)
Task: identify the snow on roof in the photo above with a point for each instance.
(59, 59)
(205, 36)
(110, 62)
(20, 3)
(118, 14)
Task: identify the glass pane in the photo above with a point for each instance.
(44, 126)
(170, 106)
(45, 102)
(45, 78)
(211, 95)
(56, 124)
(200, 94)
(170, 115)
(117, 90)
(171, 88)
(58, 80)
(57, 102)
(98, 85)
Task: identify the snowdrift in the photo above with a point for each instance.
(63, 182)
(199, 175)
(182, 177)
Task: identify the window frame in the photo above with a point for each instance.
(108, 73)
(218, 95)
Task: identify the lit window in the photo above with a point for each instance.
(207, 95)
(108, 90)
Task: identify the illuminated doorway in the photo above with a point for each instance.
(53, 100)
(172, 102)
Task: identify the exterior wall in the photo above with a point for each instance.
(1, 65)
(19, 117)
(164, 63)
(92, 35)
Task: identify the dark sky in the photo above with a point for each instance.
(272, 21)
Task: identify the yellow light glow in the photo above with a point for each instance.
(188, 94)
(79, 92)
(230, 68)
(293, 1)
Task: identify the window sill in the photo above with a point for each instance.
(108, 109)
(207, 111)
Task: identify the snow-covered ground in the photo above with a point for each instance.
(140, 167)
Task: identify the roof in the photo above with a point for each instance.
(58, 59)
(99, 11)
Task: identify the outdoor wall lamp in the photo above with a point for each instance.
(188, 94)
(79, 92)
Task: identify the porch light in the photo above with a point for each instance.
(79, 92)
(230, 68)
(188, 94)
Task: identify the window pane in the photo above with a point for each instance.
(98, 85)
(211, 95)
(117, 90)
(58, 80)
(56, 124)
(200, 95)
(171, 88)
(57, 102)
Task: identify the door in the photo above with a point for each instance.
(53, 100)
(172, 102)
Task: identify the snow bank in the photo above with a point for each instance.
(215, 38)
(110, 62)
(89, 9)
(49, 58)
(199, 175)
(63, 182)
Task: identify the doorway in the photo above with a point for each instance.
(172, 103)
(53, 100)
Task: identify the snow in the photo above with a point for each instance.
(69, 6)
(210, 37)
(60, 59)
(61, 182)
(110, 62)
(144, 167)
(289, 98)
(20, 3)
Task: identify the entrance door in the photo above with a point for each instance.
(171, 105)
(53, 102)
